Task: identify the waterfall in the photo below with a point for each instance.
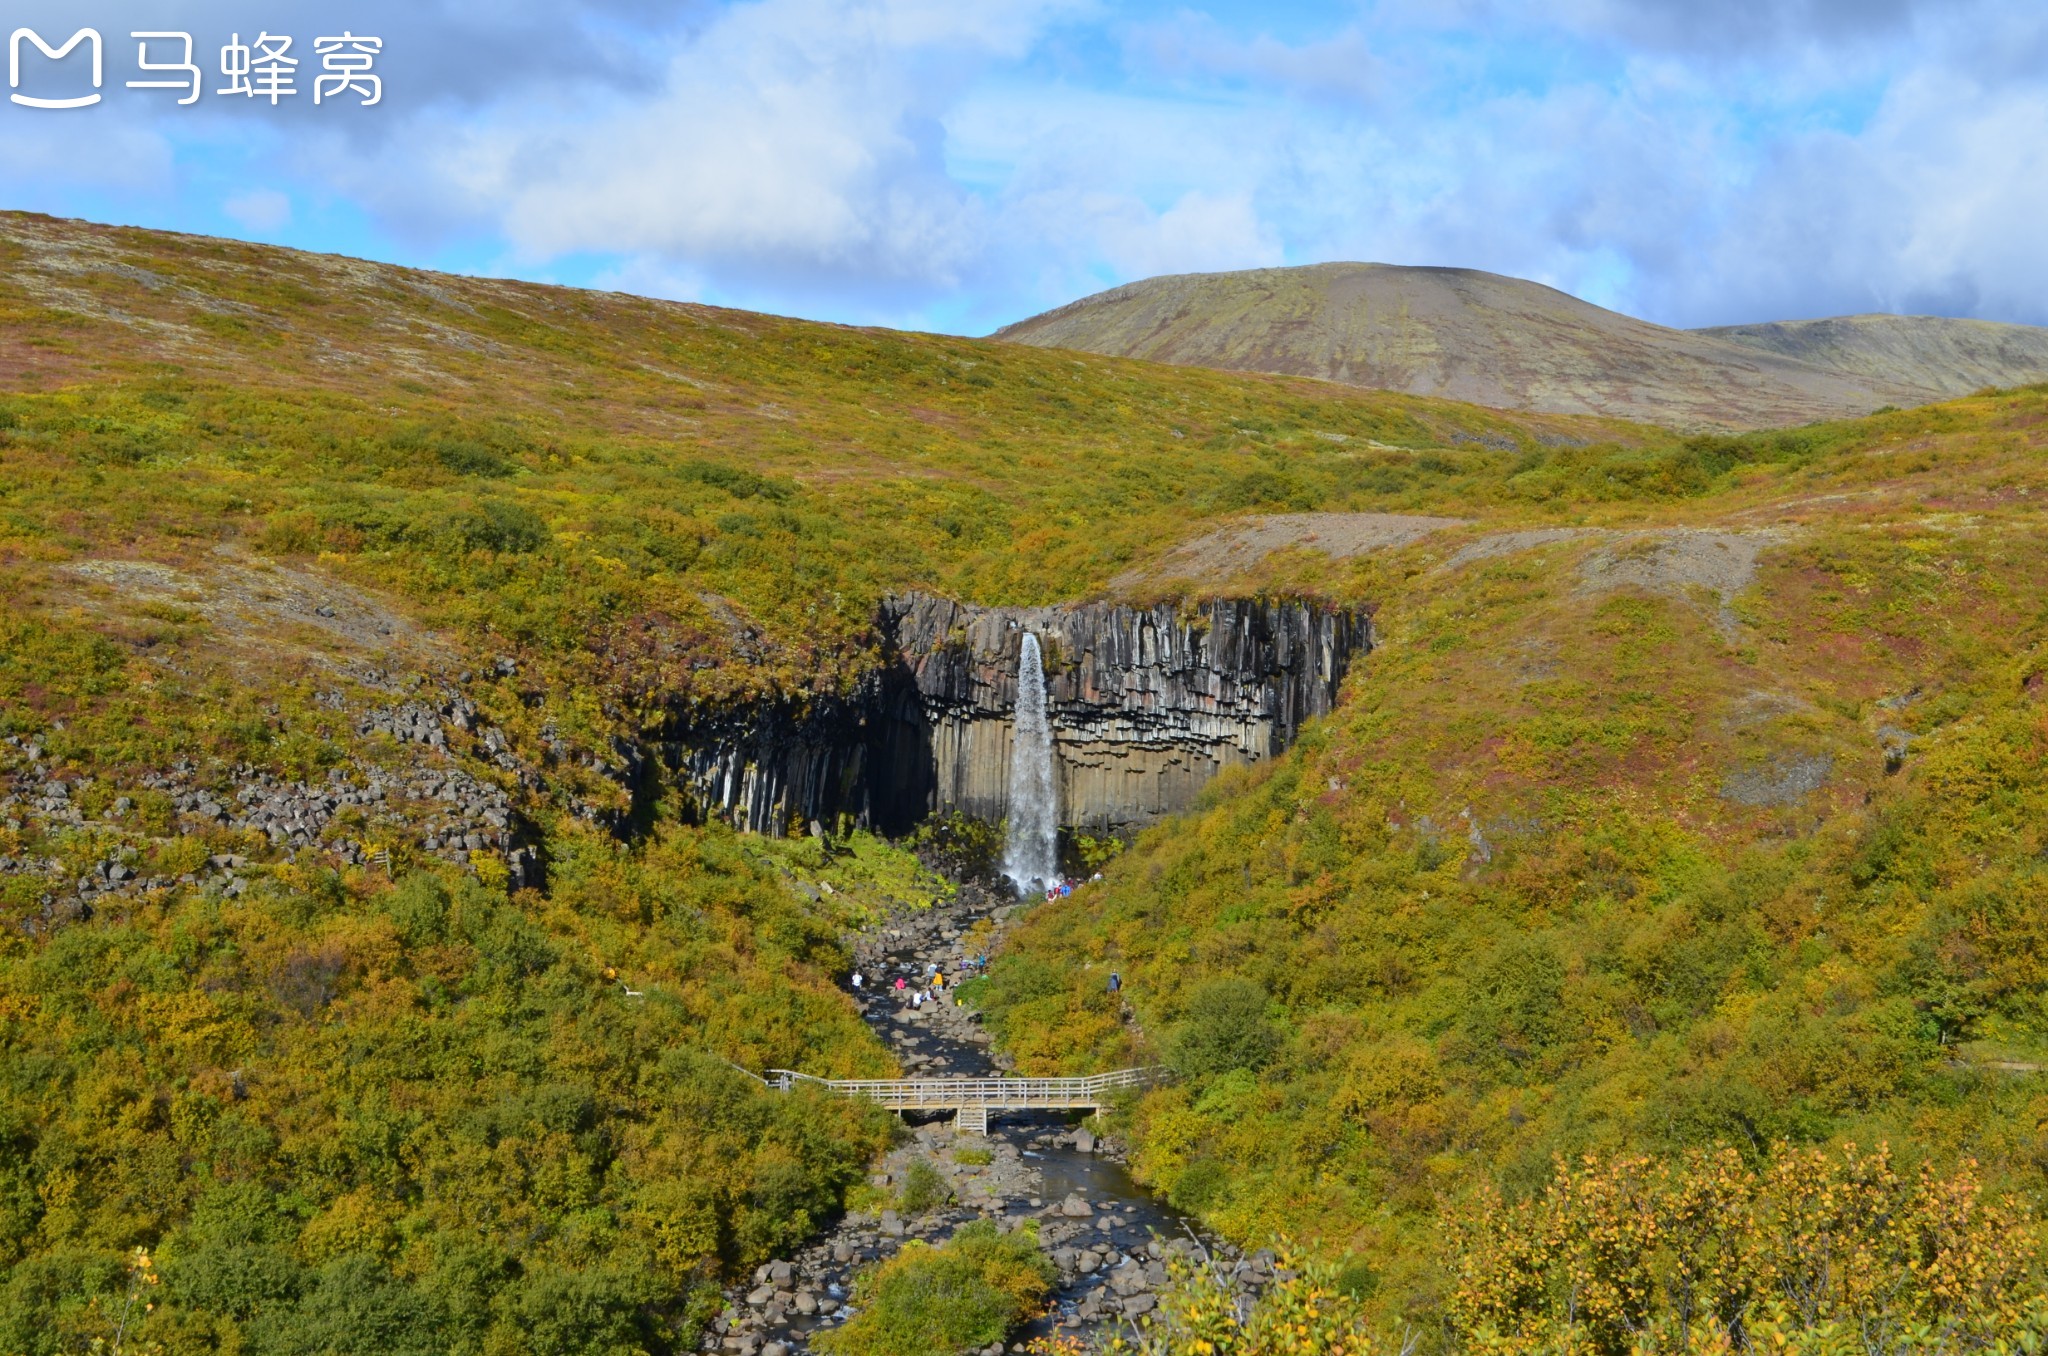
(1031, 847)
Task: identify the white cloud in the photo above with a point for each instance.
(262, 210)
(899, 160)
(1342, 67)
(1936, 206)
(791, 143)
(1198, 233)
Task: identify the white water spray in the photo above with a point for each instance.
(1031, 848)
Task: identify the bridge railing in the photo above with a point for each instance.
(1015, 1094)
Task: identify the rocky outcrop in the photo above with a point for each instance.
(424, 802)
(1147, 704)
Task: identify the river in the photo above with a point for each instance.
(1108, 1236)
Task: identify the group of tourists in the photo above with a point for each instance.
(930, 986)
(1064, 886)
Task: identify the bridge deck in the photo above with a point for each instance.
(991, 1094)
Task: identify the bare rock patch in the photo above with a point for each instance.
(1784, 780)
(1509, 543)
(254, 609)
(1680, 562)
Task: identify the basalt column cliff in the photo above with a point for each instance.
(1146, 704)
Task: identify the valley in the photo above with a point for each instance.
(1060, 1183)
(455, 735)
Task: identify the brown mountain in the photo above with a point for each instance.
(1513, 344)
(1954, 357)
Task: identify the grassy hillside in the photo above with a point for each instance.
(1511, 344)
(197, 389)
(1725, 829)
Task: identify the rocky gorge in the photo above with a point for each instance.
(1046, 1172)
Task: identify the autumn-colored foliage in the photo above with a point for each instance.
(1302, 1314)
(1813, 1251)
(466, 1137)
(1816, 1253)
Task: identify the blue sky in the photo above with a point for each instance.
(956, 164)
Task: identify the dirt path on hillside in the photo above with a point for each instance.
(1238, 545)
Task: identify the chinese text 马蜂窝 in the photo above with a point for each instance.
(262, 68)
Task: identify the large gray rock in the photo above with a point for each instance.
(1128, 1279)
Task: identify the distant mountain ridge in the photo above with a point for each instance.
(1954, 357)
(1505, 342)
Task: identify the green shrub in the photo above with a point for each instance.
(352, 1307)
(1201, 1186)
(737, 481)
(962, 1296)
(1225, 1028)
(923, 1188)
(473, 459)
(419, 906)
(500, 525)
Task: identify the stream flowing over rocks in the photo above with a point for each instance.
(1108, 1238)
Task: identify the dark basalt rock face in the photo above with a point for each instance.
(1147, 704)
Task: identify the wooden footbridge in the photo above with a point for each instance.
(972, 1099)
